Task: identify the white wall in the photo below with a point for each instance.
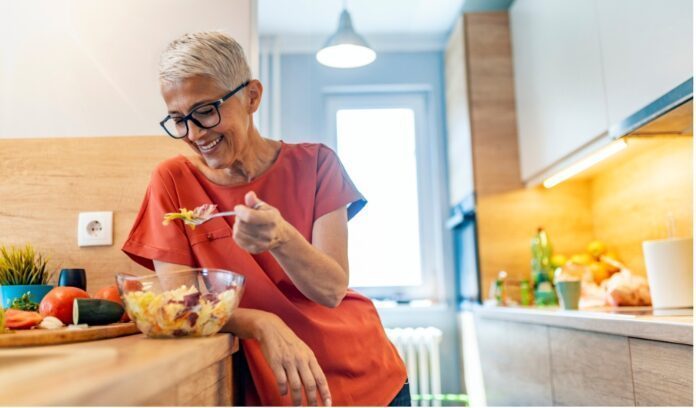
(89, 67)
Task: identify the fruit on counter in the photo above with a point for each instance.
(558, 260)
(20, 319)
(596, 249)
(59, 302)
(600, 271)
(96, 311)
(581, 259)
(111, 293)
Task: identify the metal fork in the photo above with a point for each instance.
(203, 220)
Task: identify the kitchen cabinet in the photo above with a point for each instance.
(646, 51)
(558, 80)
(590, 368)
(516, 369)
(662, 372)
(535, 357)
(582, 67)
(461, 179)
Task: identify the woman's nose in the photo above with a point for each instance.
(195, 132)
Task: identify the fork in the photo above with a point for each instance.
(203, 220)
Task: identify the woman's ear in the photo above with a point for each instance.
(254, 93)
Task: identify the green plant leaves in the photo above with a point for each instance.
(23, 266)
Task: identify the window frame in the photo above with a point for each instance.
(430, 177)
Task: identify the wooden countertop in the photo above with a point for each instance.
(674, 329)
(121, 371)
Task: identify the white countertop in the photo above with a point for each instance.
(670, 328)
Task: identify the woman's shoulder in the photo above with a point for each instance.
(318, 151)
(171, 169)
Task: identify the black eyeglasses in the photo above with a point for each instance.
(205, 117)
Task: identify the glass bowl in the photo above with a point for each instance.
(188, 302)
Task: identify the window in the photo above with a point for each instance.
(378, 149)
(395, 243)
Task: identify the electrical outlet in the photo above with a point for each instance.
(95, 228)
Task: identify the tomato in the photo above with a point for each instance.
(111, 293)
(19, 319)
(59, 302)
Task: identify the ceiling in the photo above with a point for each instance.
(382, 22)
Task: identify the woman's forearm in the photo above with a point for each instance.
(317, 275)
(248, 323)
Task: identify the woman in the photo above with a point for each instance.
(307, 338)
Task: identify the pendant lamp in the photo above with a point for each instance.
(345, 48)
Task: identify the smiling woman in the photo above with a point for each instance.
(301, 327)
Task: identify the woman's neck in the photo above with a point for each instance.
(256, 157)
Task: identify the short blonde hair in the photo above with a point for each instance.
(211, 53)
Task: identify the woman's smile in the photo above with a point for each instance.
(209, 147)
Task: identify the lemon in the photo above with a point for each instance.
(600, 271)
(596, 248)
(581, 259)
(558, 260)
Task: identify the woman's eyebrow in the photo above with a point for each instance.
(194, 106)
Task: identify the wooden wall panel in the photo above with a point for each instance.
(44, 183)
(507, 223)
(632, 198)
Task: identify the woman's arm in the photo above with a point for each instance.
(318, 269)
(292, 361)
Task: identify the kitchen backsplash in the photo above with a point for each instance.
(46, 182)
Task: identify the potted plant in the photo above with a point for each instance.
(24, 277)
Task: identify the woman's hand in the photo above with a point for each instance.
(258, 227)
(292, 362)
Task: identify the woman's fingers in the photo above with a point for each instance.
(281, 378)
(310, 385)
(294, 383)
(321, 383)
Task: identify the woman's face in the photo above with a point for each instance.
(220, 145)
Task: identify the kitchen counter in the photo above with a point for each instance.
(673, 329)
(131, 370)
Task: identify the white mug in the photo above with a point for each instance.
(669, 264)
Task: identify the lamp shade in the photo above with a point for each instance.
(345, 48)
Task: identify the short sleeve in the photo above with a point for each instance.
(334, 187)
(149, 239)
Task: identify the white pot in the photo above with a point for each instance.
(669, 264)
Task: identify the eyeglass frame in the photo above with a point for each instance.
(190, 117)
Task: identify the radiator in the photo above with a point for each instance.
(420, 349)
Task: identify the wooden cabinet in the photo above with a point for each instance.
(515, 363)
(662, 373)
(558, 80)
(538, 364)
(590, 368)
(646, 51)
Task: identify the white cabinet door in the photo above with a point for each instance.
(558, 79)
(647, 49)
(461, 169)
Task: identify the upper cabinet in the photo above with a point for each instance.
(461, 169)
(646, 51)
(558, 79)
(89, 68)
(583, 66)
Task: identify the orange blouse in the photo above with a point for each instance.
(305, 182)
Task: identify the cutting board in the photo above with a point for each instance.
(44, 337)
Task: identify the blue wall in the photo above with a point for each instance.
(303, 78)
